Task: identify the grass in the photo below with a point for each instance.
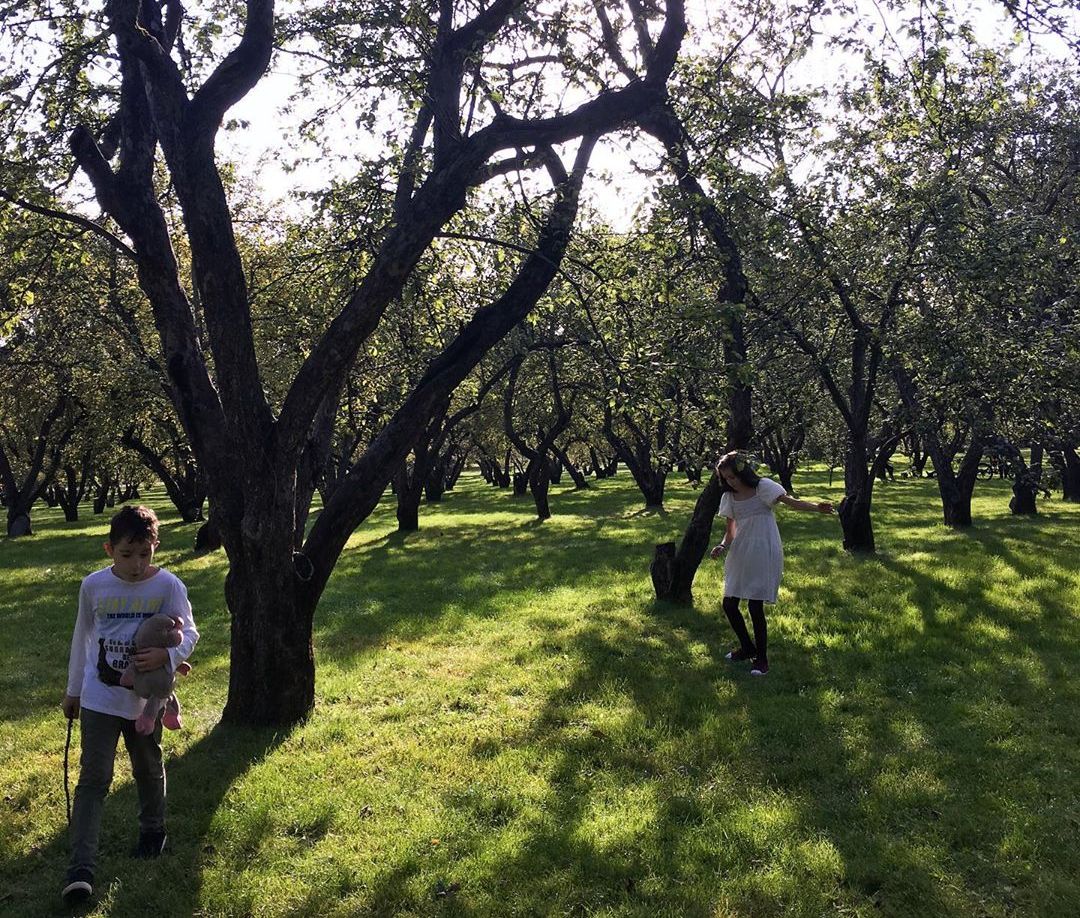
(507, 724)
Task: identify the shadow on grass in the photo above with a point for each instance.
(887, 779)
(420, 591)
(893, 762)
(898, 760)
(198, 781)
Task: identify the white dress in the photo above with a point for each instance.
(755, 559)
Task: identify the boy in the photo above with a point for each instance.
(112, 604)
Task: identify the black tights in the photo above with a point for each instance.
(759, 647)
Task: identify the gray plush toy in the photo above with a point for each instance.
(156, 685)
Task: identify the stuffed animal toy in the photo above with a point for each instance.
(156, 685)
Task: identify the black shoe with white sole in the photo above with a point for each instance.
(78, 888)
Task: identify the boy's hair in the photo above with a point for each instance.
(137, 524)
(737, 463)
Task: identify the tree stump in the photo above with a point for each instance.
(673, 570)
(661, 568)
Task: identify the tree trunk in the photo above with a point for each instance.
(208, 536)
(410, 489)
(493, 473)
(1070, 473)
(650, 481)
(957, 488)
(191, 511)
(456, 467)
(673, 571)
(272, 664)
(692, 471)
(539, 482)
(1036, 466)
(18, 520)
(956, 508)
(540, 468)
(185, 487)
(639, 459)
(854, 510)
(1025, 487)
(413, 480)
(581, 483)
(856, 522)
(436, 483)
(102, 487)
(652, 487)
(955, 505)
(521, 484)
(40, 472)
(71, 490)
(918, 456)
(1024, 497)
(603, 468)
(956, 493)
(781, 451)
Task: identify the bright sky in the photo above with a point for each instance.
(616, 197)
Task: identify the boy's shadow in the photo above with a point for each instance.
(198, 780)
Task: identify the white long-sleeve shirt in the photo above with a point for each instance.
(110, 612)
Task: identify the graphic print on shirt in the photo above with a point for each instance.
(118, 618)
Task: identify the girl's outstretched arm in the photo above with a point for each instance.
(729, 535)
(809, 506)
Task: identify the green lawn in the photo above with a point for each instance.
(507, 724)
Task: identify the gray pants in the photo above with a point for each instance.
(100, 733)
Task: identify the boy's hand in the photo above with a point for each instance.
(70, 706)
(150, 658)
(717, 551)
(825, 507)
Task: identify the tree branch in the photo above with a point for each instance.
(443, 194)
(75, 219)
(363, 486)
(238, 74)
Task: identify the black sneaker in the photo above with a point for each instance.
(150, 845)
(78, 888)
(739, 654)
(760, 667)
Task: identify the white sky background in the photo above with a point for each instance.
(614, 187)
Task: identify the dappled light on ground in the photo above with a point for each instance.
(508, 724)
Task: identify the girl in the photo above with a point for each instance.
(755, 558)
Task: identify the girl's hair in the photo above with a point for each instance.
(739, 465)
(136, 524)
